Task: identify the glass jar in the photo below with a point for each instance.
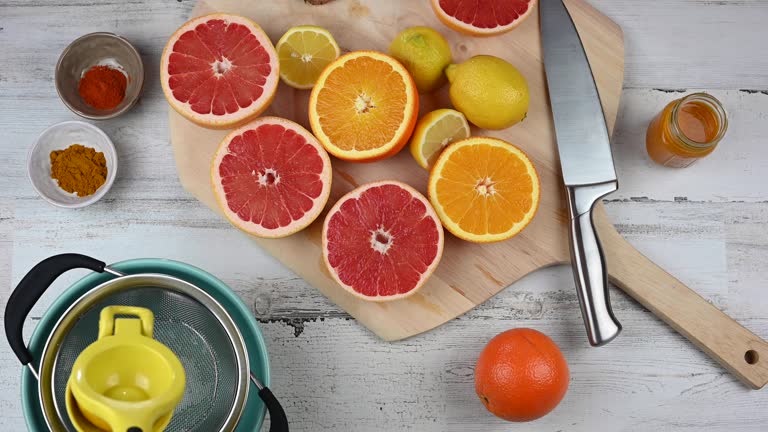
(686, 130)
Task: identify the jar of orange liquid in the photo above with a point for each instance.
(686, 130)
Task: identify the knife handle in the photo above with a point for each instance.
(589, 263)
(740, 351)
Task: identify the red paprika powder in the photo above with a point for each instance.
(103, 87)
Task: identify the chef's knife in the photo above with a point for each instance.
(585, 159)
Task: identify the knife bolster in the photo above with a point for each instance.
(582, 198)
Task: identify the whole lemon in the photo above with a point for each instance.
(490, 92)
(425, 53)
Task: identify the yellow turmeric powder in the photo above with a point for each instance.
(79, 169)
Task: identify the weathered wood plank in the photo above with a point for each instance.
(431, 387)
(313, 345)
(690, 239)
(333, 374)
(148, 171)
(735, 171)
(669, 44)
(694, 43)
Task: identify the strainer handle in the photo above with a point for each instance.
(278, 422)
(29, 291)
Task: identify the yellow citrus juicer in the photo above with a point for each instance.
(125, 381)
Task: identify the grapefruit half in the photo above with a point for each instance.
(382, 241)
(482, 17)
(219, 70)
(271, 177)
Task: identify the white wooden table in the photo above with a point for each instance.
(706, 224)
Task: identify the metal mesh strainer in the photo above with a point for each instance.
(187, 320)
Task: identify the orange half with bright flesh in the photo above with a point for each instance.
(364, 107)
(484, 189)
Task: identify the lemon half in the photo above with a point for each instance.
(304, 51)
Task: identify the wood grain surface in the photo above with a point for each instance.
(468, 274)
(705, 224)
(733, 346)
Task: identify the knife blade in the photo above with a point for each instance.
(582, 135)
(585, 158)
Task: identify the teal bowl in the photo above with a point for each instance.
(254, 410)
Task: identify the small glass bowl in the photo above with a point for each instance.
(98, 49)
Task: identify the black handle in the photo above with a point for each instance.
(277, 420)
(29, 290)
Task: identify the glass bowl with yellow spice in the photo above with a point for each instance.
(72, 164)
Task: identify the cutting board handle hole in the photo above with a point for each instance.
(751, 357)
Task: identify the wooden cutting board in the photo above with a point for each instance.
(468, 274)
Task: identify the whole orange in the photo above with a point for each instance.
(521, 375)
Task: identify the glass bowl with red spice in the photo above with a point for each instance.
(72, 164)
(99, 76)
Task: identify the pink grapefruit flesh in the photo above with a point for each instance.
(271, 177)
(482, 17)
(219, 70)
(382, 241)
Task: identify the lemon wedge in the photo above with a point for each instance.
(434, 132)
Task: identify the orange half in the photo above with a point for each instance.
(484, 189)
(363, 106)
